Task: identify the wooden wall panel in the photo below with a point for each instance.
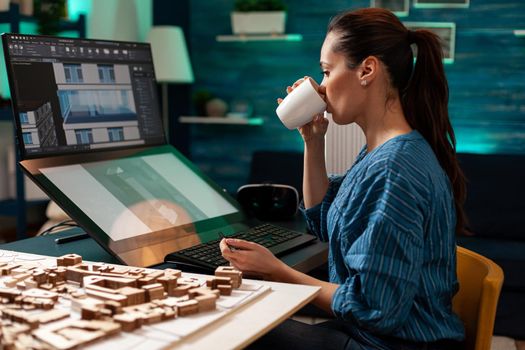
(487, 79)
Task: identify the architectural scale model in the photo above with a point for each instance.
(65, 303)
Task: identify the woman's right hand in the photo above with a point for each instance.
(316, 129)
(252, 259)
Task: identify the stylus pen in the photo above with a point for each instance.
(223, 236)
(75, 237)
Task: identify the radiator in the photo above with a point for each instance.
(342, 145)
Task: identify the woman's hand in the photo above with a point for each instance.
(316, 129)
(252, 258)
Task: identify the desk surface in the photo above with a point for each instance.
(239, 327)
(305, 259)
(246, 325)
(236, 330)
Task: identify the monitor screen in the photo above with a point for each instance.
(77, 95)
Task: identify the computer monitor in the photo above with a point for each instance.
(91, 137)
(77, 95)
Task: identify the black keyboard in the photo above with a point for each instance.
(208, 255)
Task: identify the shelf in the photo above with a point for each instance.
(269, 37)
(519, 32)
(221, 120)
(16, 207)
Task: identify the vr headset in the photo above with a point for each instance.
(269, 201)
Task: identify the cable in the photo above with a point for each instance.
(65, 223)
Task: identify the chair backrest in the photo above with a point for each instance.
(480, 281)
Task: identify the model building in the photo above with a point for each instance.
(109, 299)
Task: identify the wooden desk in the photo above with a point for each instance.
(252, 321)
(235, 330)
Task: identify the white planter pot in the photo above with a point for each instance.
(263, 22)
(26, 7)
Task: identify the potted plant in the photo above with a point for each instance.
(258, 17)
(200, 99)
(48, 14)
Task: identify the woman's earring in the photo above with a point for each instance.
(363, 82)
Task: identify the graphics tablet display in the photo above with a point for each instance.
(142, 205)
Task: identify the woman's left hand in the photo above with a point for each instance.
(252, 258)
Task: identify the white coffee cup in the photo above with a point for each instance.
(301, 105)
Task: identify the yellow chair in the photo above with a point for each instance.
(480, 281)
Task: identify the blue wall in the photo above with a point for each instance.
(487, 79)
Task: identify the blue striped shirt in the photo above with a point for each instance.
(390, 221)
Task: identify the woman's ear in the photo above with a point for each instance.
(368, 70)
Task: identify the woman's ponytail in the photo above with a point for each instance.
(425, 104)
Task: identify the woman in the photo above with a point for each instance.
(391, 219)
